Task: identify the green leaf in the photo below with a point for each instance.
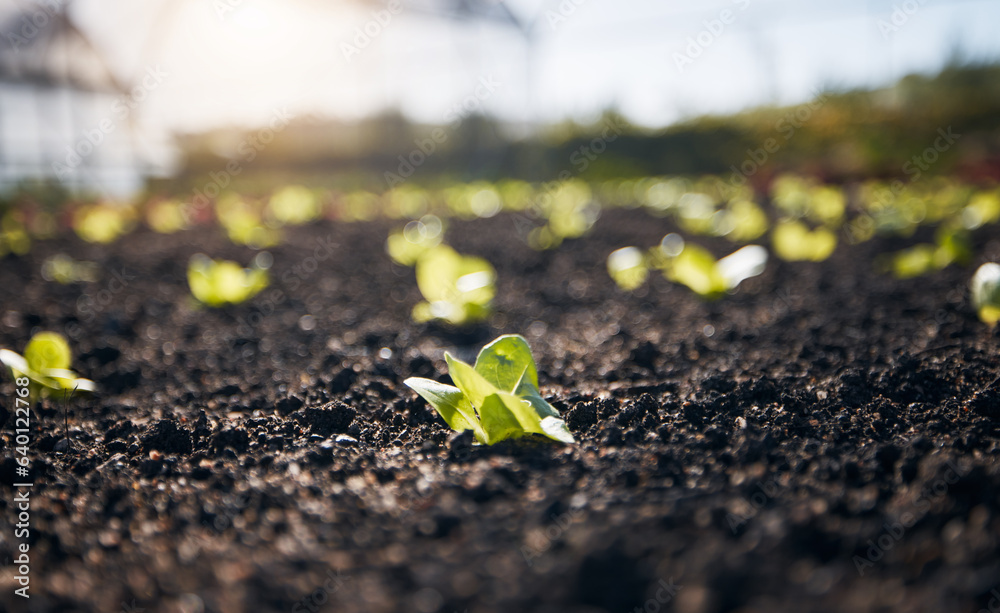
(793, 241)
(696, 268)
(450, 403)
(986, 292)
(552, 424)
(458, 288)
(48, 350)
(627, 267)
(475, 387)
(220, 282)
(48, 358)
(499, 421)
(505, 361)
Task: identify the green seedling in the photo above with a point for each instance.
(743, 221)
(45, 363)
(457, 289)
(219, 282)
(103, 223)
(497, 398)
(63, 269)
(951, 246)
(13, 234)
(166, 216)
(627, 266)
(244, 223)
(696, 268)
(293, 205)
(793, 242)
(689, 265)
(986, 292)
(407, 245)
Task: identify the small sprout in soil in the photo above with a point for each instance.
(497, 398)
(294, 204)
(244, 222)
(458, 289)
(698, 270)
(63, 269)
(46, 362)
(166, 216)
(220, 282)
(103, 223)
(986, 292)
(689, 265)
(952, 246)
(407, 245)
(793, 242)
(627, 266)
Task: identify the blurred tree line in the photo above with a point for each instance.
(837, 136)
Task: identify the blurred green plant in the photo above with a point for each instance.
(985, 288)
(456, 288)
(952, 246)
(498, 398)
(14, 236)
(688, 265)
(166, 216)
(46, 362)
(293, 205)
(244, 223)
(405, 246)
(217, 283)
(63, 269)
(627, 266)
(793, 241)
(103, 223)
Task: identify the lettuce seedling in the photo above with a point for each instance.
(986, 292)
(793, 242)
(497, 398)
(46, 362)
(689, 265)
(698, 270)
(405, 246)
(220, 282)
(293, 205)
(951, 246)
(458, 289)
(627, 266)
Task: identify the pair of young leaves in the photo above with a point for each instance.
(497, 398)
(46, 362)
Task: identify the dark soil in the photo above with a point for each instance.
(761, 453)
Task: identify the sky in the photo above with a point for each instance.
(239, 62)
